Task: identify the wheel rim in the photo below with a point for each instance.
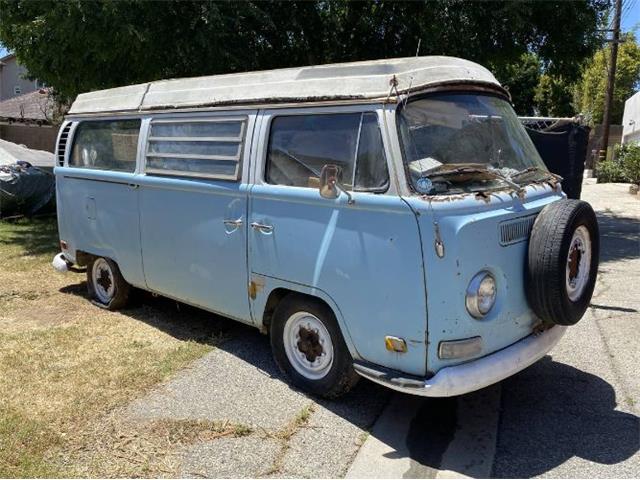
(308, 345)
(578, 263)
(103, 280)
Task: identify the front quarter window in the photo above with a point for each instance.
(462, 142)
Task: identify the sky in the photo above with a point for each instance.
(630, 20)
(631, 16)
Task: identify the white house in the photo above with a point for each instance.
(631, 119)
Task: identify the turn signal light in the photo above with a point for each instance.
(395, 344)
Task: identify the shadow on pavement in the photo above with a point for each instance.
(619, 237)
(360, 407)
(552, 412)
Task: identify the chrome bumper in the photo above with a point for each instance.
(473, 375)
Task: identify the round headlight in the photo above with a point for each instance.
(481, 294)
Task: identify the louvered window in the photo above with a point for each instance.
(62, 143)
(196, 147)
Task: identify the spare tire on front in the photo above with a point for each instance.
(562, 264)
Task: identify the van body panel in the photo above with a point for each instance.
(194, 230)
(264, 286)
(470, 231)
(188, 250)
(98, 214)
(342, 249)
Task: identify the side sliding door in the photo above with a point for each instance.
(193, 209)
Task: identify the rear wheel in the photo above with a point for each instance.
(106, 285)
(309, 348)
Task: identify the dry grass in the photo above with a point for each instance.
(66, 364)
(284, 435)
(124, 448)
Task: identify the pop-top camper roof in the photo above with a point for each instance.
(370, 80)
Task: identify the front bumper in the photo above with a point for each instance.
(471, 376)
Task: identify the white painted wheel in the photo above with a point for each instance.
(578, 263)
(104, 282)
(308, 345)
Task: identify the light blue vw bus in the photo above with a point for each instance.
(387, 219)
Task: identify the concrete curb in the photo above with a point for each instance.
(393, 450)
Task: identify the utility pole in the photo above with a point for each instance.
(611, 78)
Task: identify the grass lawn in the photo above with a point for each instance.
(66, 367)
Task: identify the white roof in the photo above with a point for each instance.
(338, 81)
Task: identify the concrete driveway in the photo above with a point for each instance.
(573, 414)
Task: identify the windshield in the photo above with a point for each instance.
(460, 142)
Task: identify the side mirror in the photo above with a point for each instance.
(330, 186)
(329, 182)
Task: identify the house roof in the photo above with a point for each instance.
(341, 81)
(8, 56)
(31, 107)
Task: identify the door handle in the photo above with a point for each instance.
(133, 186)
(234, 223)
(262, 228)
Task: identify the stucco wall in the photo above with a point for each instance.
(631, 120)
(12, 74)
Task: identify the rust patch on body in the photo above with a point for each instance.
(255, 287)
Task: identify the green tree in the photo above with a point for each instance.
(591, 89)
(77, 45)
(554, 96)
(521, 79)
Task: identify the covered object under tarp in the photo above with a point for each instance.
(27, 185)
(562, 144)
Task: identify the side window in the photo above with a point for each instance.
(300, 145)
(200, 147)
(106, 145)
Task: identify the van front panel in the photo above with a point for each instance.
(469, 230)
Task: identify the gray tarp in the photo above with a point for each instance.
(24, 188)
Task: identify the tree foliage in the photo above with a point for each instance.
(520, 78)
(77, 45)
(554, 96)
(591, 89)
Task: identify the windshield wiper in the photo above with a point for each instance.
(529, 170)
(492, 174)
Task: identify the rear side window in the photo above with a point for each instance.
(106, 145)
(197, 147)
(300, 145)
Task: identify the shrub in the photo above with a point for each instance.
(625, 166)
(609, 171)
(630, 159)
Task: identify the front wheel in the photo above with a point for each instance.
(106, 285)
(309, 348)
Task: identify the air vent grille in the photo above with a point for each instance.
(518, 230)
(62, 143)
